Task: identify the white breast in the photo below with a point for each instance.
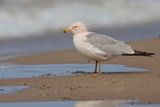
(87, 49)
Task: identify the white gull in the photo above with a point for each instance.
(99, 47)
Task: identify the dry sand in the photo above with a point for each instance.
(144, 87)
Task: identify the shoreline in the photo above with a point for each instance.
(121, 86)
(72, 56)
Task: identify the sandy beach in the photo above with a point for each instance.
(140, 86)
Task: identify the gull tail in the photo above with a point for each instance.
(140, 53)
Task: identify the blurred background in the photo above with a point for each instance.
(35, 26)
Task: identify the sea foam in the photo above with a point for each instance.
(20, 18)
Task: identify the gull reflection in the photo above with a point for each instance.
(115, 103)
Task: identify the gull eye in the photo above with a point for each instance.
(75, 26)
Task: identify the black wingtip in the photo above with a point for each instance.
(140, 53)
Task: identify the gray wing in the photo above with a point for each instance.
(100, 39)
(109, 45)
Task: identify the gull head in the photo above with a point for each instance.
(76, 28)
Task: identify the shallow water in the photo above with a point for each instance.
(28, 71)
(12, 89)
(115, 103)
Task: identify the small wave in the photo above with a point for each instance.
(21, 18)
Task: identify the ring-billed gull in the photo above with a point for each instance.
(99, 47)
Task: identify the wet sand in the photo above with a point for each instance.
(141, 86)
(72, 56)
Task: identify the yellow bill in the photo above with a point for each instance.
(66, 30)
